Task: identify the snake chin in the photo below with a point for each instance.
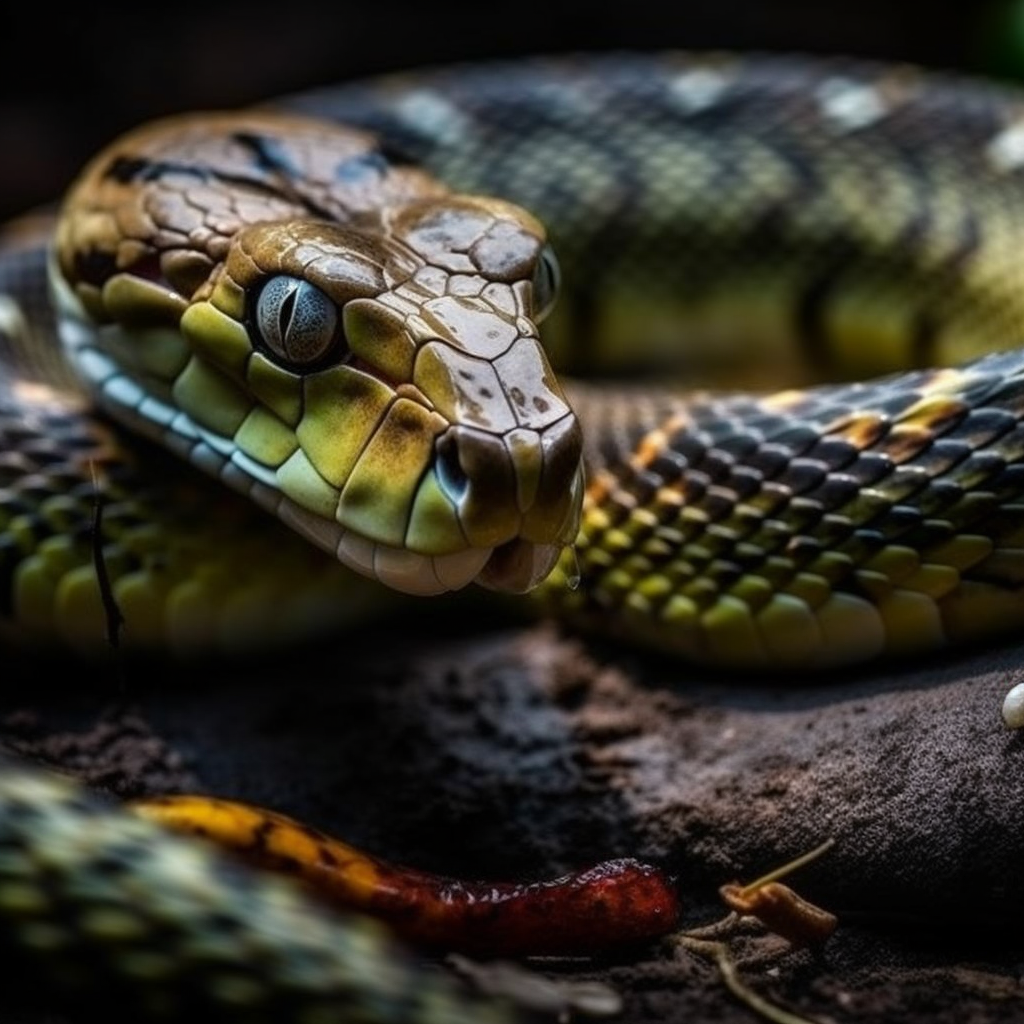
(518, 566)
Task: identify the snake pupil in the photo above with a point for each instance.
(296, 321)
(286, 313)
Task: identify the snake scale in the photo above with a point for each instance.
(305, 312)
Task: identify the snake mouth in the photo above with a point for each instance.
(520, 564)
(517, 566)
(513, 567)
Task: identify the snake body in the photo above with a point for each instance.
(303, 310)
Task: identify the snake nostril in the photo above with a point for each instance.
(450, 475)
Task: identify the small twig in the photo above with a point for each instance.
(720, 953)
(777, 908)
(787, 868)
(115, 620)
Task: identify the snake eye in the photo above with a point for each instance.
(546, 279)
(296, 321)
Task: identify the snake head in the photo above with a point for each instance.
(374, 378)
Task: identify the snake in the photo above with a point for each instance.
(717, 354)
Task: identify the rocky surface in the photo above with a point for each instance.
(518, 752)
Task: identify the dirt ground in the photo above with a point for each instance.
(517, 752)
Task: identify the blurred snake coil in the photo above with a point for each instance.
(278, 345)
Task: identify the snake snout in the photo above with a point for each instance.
(518, 493)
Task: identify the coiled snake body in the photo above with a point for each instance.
(303, 311)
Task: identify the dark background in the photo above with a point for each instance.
(71, 80)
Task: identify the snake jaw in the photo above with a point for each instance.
(399, 568)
